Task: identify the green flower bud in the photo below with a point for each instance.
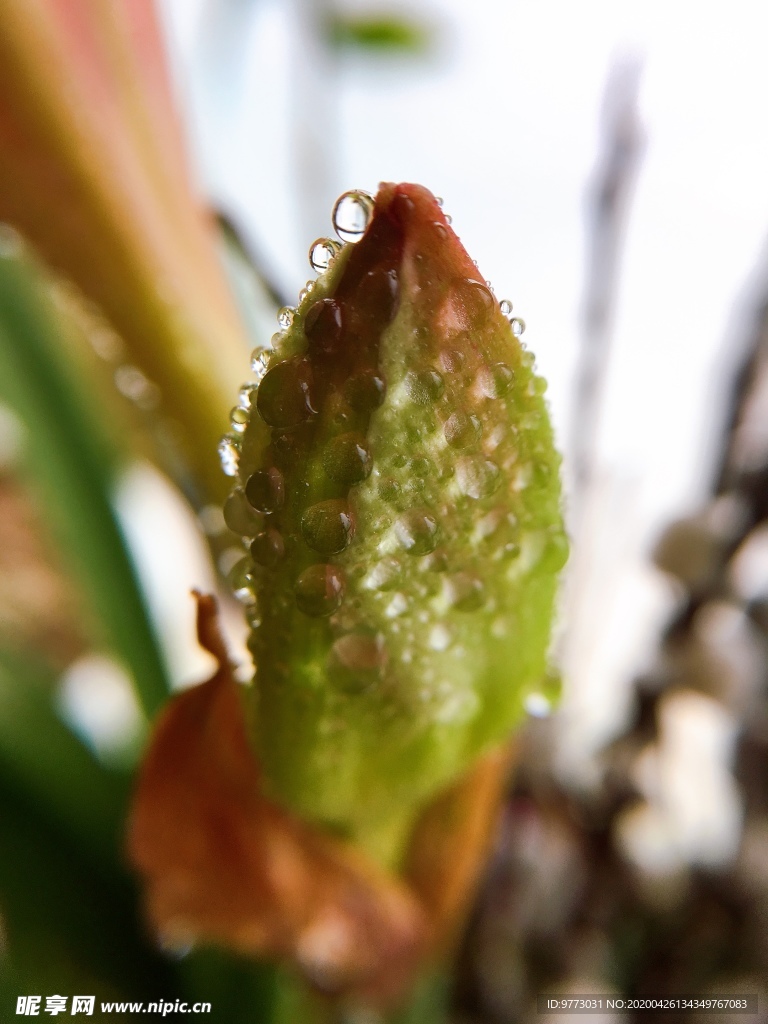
(407, 530)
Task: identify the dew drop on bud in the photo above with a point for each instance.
(284, 398)
(285, 317)
(243, 582)
(327, 527)
(464, 592)
(461, 430)
(417, 531)
(476, 301)
(495, 381)
(359, 655)
(240, 516)
(265, 490)
(437, 561)
(506, 308)
(477, 478)
(452, 360)
(389, 490)
(351, 215)
(347, 459)
(247, 395)
(518, 326)
(319, 590)
(229, 455)
(260, 361)
(385, 575)
(321, 253)
(365, 391)
(424, 386)
(323, 326)
(268, 548)
(555, 552)
(238, 419)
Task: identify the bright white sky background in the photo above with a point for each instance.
(502, 121)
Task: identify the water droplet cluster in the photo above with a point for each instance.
(396, 493)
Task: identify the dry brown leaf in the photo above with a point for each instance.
(224, 864)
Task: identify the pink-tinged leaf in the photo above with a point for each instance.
(93, 174)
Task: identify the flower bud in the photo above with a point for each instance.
(400, 458)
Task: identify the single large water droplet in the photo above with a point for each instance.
(327, 527)
(321, 253)
(518, 326)
(477, 478)
(476, 302)
(506, 308)
(229, 455)
(347, 459)
(268, 548)
(284, 398)
(265, 490)
(495, 381)
(351, 214)
(417, 531)
(424, 386)
(319, 590)
(461, 430)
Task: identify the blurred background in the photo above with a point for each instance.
(607, 165)
(524, 117)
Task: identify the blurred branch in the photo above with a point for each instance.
(610, 195)
(249, 255)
